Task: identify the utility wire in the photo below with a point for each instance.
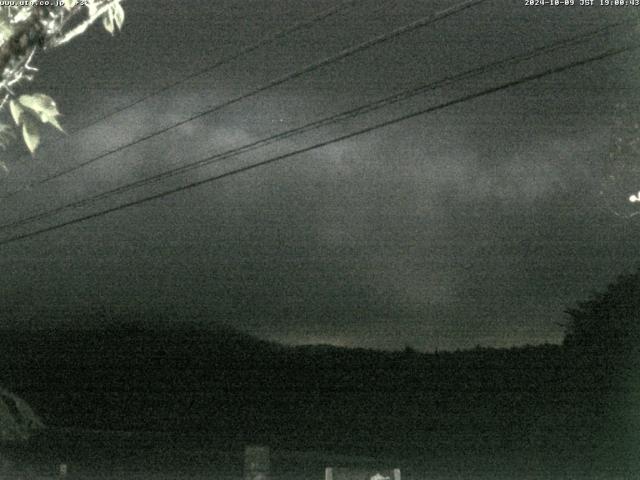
(459, 100)
(423, 22)
(208, 69)
(343, 116)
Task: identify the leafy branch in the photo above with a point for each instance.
(27, 30)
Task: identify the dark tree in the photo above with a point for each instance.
(602, 374)
(609, 321)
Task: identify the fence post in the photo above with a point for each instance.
(328, 473)
(396, 474)
(256, 463)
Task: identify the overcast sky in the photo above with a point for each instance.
(478, 224)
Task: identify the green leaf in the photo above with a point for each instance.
(118, 15)
(107, 21)
(40, 104)
(30, 134)
(92, 7)
(16, 111)
(54, 122)
(43, 107)
(6, 30)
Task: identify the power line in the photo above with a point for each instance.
(221, 62)
(463, 99)
(342, 116)
(423, 22)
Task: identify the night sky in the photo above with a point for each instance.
(475, 225)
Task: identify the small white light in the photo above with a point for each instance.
(633, 199)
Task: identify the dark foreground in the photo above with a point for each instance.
(541, 412)
(165, 456)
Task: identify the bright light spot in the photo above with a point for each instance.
(633, 199)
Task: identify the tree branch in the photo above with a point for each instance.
(82, 27)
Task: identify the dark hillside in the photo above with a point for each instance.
(364, 401)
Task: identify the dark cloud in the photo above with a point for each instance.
(475, 225)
